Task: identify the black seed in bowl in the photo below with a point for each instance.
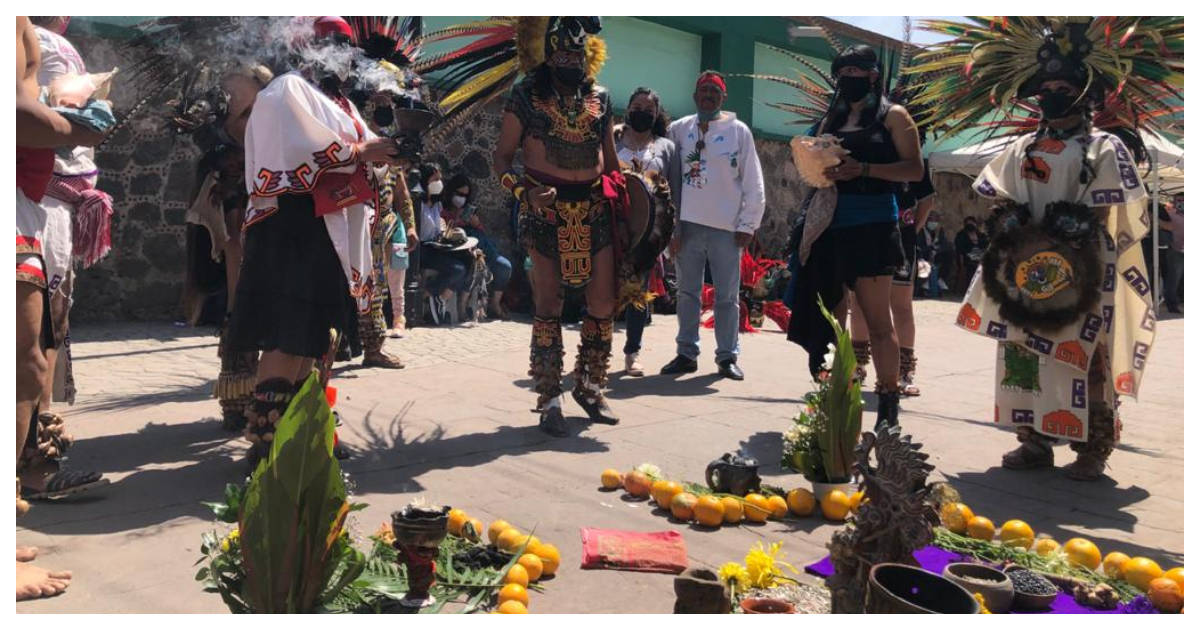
(1026, 581)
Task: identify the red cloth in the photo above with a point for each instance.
(91, 228)
(709, 77)
(34, 169)
(656, 552)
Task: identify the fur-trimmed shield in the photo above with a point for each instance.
(651, 218)
(1043, 275)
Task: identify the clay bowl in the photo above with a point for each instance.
(903, 589)
(767, 606)
(1031, 601)
(994, 586)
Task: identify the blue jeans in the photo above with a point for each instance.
(635, 324)
(702, 244)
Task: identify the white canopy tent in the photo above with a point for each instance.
(1165, 172)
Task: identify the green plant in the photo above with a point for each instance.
(821, 442)
(295, 553)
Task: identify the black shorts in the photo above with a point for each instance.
(907, 271)
(863, 251)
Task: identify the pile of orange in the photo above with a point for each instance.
(711, 510)
(537, 559)
(1164, 589)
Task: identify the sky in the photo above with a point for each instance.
(893, 25)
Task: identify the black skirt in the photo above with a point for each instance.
(838, 258)
(291, 290)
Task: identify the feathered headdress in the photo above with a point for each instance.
(499, 51)
(1130, 69)
(817, 88)
(394, 39)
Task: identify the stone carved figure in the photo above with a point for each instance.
(896, 516)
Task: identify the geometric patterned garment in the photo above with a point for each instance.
(1042, 377)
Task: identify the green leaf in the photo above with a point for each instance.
(202, 574)
(355, 507)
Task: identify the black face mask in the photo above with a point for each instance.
(854, 88)
(569, 75)
(641, 120)
(1056, 104)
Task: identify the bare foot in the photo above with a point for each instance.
(26, 554)
(34, 582)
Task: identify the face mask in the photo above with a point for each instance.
(435, 188)
(641, 120)
(1056, 104)
(933, 225)
(708, 116)
(568, 75)
(458, 201)
(970, 228)
(854, 88)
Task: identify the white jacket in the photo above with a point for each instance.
(720, 186)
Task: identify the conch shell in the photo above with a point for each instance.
(813, 155)
(75, 90)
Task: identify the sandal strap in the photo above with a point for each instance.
(66, 479)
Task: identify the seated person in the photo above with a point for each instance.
(458, 212)
(451, 268)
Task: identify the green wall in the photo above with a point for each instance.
(642, 53)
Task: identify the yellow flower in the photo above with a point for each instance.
(736, 576)
(761, 565)
(983, 610)
(385, 533)
(229, 540)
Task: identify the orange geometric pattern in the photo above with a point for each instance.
(1071, 352)
(968, 318)
(1062, 423)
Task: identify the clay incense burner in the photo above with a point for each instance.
(733, 474)
(419, 530)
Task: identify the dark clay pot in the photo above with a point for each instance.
(904, 589)
(700, 591)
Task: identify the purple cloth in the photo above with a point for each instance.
(935, 559)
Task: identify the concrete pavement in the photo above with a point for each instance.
(455, 427)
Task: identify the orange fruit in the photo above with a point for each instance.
(856, 500)
(756, 508)
(835, 505)
(709, 511)
(1083, 552)
(1176, 574)
(611, 479)
(778, 505)
(801, 502)
(517, 575)
(637, 484)
(682, 505)
(472, 530)
(981, 527)
(510, 540)
(1045, 546)
(1112, 564)
(512, 607)
(532, 564)
(496, 528)
(955, 517)
(657, 488)
(455, 520)
(1016, 533)
(733, 510)
(1140, 572)
(514, 593)
(1166, 595)
(548, 554)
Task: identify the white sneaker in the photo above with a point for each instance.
(396, 333)
(632, 366)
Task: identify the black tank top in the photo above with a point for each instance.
(871, 144)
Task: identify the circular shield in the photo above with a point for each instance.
(1041, 281)
(650, 219)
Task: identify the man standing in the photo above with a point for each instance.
(720, 191)
(39, 131)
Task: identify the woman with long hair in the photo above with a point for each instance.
(643, 146)
(860, 249)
